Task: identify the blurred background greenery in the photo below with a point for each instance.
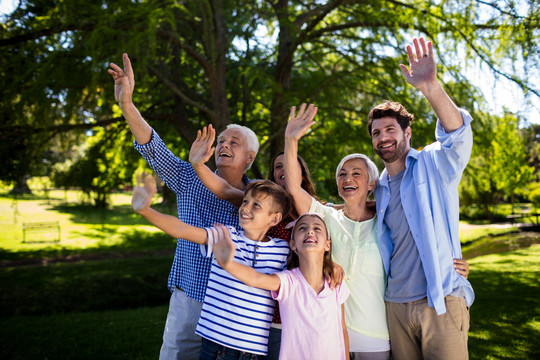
(66, 153)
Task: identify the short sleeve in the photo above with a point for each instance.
(343, 292)
(318, 208)
(284, 288)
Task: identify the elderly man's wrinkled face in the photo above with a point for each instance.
(232, 150)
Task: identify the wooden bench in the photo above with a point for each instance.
(530, 216)
(42, 227)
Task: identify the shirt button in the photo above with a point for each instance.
(257, 255)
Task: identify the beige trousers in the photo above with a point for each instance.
(417, 332)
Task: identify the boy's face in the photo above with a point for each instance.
(257, 213)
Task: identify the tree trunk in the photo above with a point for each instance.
(21, 186)
(280, 105)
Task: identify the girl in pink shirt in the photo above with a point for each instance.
(312, 313)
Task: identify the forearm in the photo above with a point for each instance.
(138, 126)
(445, 109)
(293, 177)
(251, 277)
(173, 226)
(345, 332)
(218, 186)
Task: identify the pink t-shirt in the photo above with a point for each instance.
(311, 322)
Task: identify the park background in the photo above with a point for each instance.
(66, 154)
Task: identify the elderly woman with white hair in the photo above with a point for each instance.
(353, 230)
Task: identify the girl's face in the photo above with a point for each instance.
(279, 171)
(310, 234)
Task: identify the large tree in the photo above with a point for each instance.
(210, 61)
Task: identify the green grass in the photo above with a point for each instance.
(84, 228)
(85, 285)
(505, 317)
(121, 334)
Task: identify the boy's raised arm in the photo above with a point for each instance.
(141, 201)
(201, 151)
(224, 250)
(296, 128)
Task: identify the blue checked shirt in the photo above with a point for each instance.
(197, 206)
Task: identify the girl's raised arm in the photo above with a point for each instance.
(297, 126)
(224, 250)
(201, 151)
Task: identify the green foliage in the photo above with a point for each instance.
(107, 164)
(534, 195)
(510, 168)
(200, 62)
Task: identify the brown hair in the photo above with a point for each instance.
(307, 183)
(391, 109)
(328, 264)
(281, 200)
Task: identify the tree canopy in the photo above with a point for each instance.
(198, 62)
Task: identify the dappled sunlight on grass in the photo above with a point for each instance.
(503, 317)
(84, 228)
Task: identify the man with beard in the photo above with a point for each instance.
(418, 217)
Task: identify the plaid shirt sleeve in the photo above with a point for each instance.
(197, 206)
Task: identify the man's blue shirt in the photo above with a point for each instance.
(197, 206)
(429, 195)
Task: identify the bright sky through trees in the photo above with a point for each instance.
(500, 94)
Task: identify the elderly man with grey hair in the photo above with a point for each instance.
(235, 151)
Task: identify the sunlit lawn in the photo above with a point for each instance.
(505, 317)
(84, 228)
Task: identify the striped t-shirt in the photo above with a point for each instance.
(236, 315)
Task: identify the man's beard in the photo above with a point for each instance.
(390, 157)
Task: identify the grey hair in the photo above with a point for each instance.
(251, 139)
(373, 172)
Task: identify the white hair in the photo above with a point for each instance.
(373, 172)
(250, 137)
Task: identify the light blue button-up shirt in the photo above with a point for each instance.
(429, 195)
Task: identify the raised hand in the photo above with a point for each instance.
(142, 195)
(421, 72)
(223, 247)
(201, 149)
(124, 81)
(300, 123)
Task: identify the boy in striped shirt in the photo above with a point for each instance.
(235, 318)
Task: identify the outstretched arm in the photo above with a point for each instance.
(296, 128)
(224, 251)
(141, 201)
(201, 151)
(422, 74)
(124, 83)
